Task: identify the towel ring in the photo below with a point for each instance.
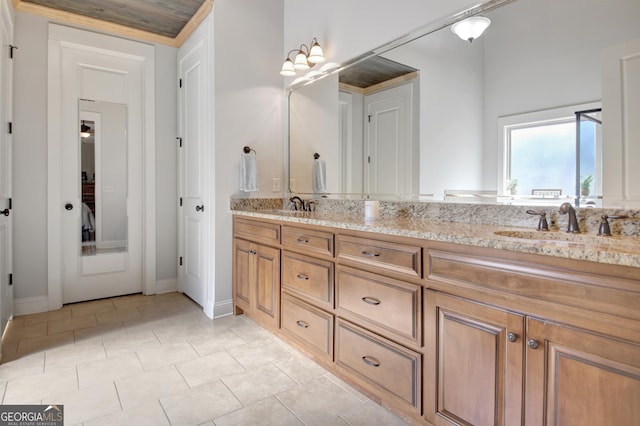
(316, 156)
(247, 150)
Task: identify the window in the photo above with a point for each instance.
(541, 158)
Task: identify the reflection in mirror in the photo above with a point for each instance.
(538, 56)
(103, 145)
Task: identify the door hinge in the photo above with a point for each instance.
(10, 279)
(369, 159)
(10, 127)
(11, 49)
(180, 260)
(10, 200)
(180, 83)
(369, 117)
(179, 141)
(180, 201)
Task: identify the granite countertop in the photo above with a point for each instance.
(614, 250)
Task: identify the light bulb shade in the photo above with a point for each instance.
(287, 68)
(471, 28)
(301, 63)
(316, 55)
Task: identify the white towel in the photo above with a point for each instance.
(319, 176)
(248, 172)
(88, 221)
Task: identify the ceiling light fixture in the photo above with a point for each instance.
(471, 28)
(305, 58)
(85, 131)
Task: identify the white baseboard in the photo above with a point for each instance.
(223, 309)
(167, 286)
(30, 305)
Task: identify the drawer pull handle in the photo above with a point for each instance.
(302, 240)
(371, 300)
(302, 324)
(371, 361)
(302, 277)
(370, 253)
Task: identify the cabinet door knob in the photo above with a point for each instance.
(512, 337)
(533, 344)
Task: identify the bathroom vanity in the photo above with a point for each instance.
(451, 323)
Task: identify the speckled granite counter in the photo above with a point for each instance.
(615, 250)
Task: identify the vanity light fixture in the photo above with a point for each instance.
(305, 58)
(471, 28)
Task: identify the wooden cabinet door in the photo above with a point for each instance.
(473, 363)
(579, 378)
(267, 284)
(242, 274)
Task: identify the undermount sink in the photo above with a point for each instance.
(565, 237)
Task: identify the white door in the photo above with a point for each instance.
(6, 289)
(101, 92)
(621, 127)
(388, 141)
(194, 211)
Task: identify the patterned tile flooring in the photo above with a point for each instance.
(158, 360)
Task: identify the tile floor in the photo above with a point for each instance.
(158, 360)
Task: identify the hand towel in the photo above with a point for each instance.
(319, 176)
(248, 172)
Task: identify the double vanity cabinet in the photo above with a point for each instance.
(445, 333)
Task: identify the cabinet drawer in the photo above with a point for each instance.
(388, 366)
(307, 240)
(399, 258)
(312, 326)
(308, 278)
(382, 304)
(263, 232)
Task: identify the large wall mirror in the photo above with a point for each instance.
(515, 115)
(103, 152)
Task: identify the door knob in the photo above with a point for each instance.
(512, 337)
(200, 208)
(533, 344)
(68, 206)
(5, 212)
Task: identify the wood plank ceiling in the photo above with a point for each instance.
(163, 21)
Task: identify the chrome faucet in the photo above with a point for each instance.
(567, 208)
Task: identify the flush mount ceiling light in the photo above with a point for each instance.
(305, 58)
(471, 28)
(85, 131)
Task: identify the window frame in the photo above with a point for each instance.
(544, 117)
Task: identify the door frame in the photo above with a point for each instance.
(59, 37)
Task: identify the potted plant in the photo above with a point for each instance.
(512, 186)
(585, 186)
